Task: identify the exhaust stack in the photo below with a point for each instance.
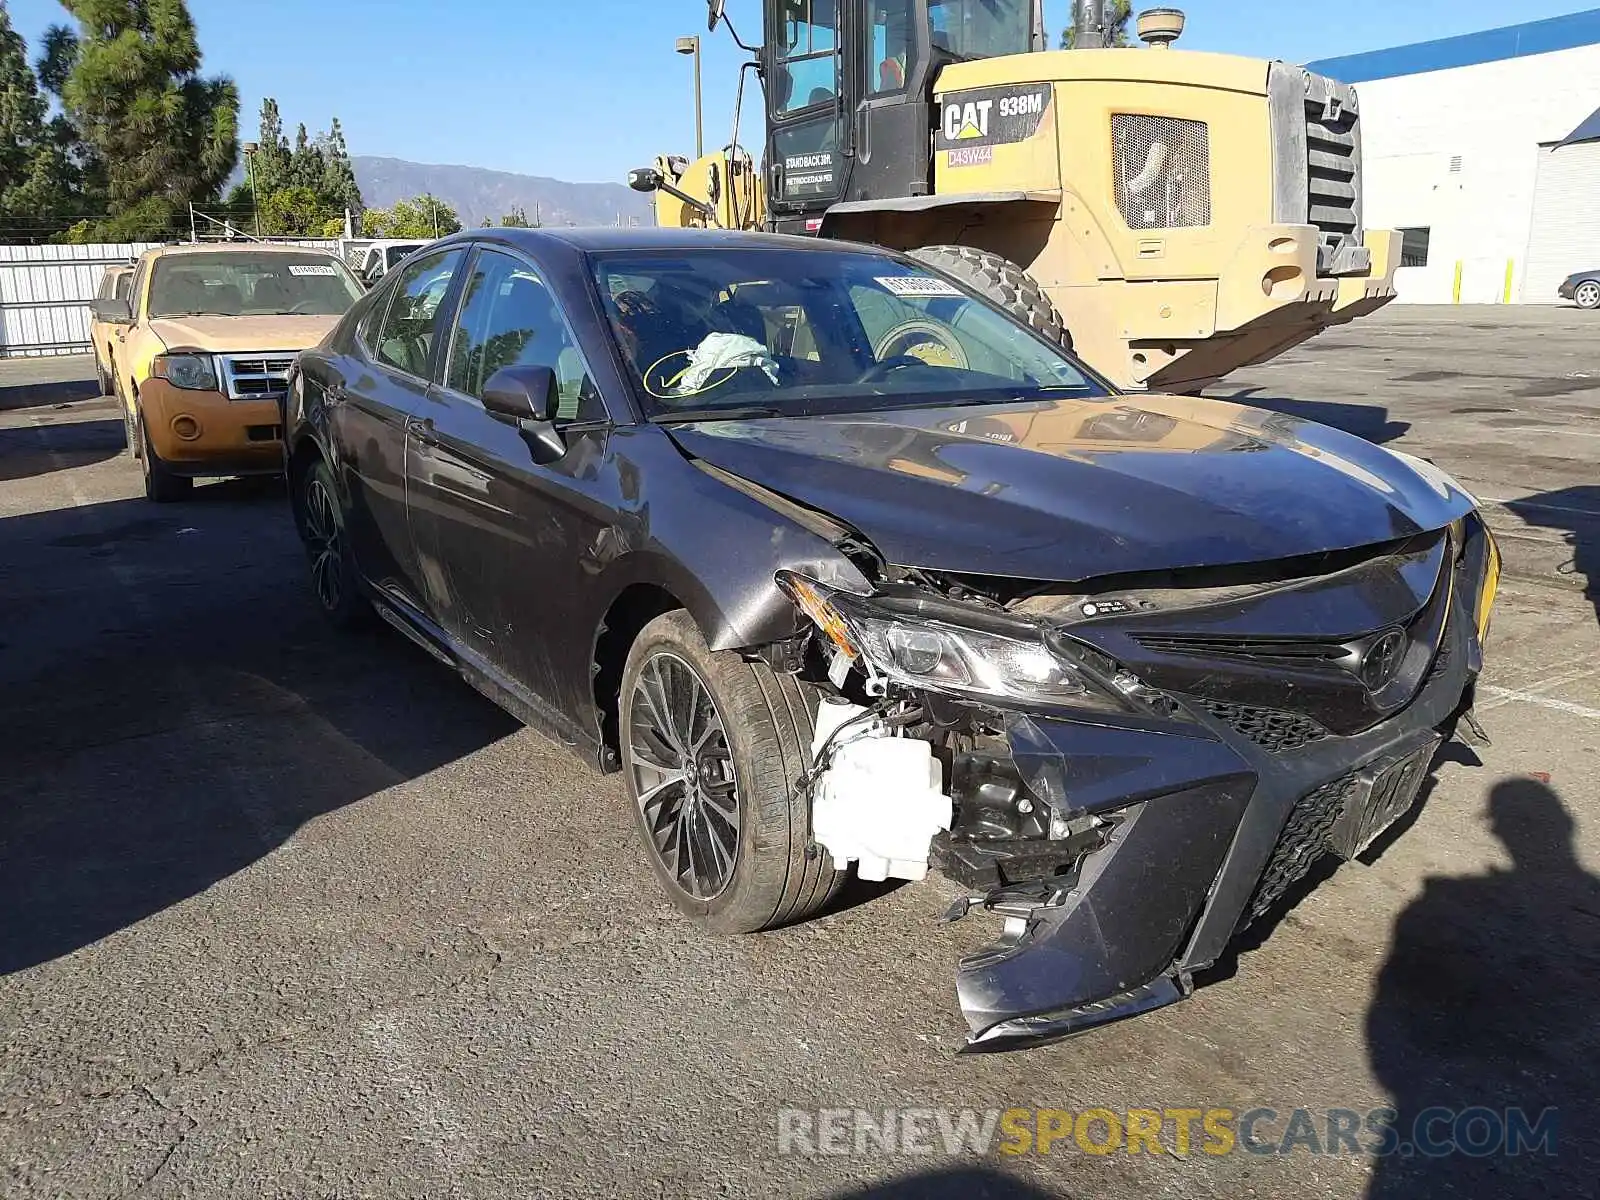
(1090, 25)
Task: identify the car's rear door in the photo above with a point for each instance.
(500, 536)
(385, 386)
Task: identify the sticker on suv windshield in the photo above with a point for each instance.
(309, 269)
(917, 285)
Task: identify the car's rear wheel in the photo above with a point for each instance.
(711, 748)
(1588, 294)
(322, 529)
(161, 484)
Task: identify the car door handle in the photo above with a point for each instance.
(421, 428)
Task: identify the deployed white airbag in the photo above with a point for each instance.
(881, 800)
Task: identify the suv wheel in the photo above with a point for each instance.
(711, 748)
(1588, 294)
(322, 529)
(160, 483)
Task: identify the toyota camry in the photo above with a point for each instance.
(846, 570)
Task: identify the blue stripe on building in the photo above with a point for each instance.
(1492, 45)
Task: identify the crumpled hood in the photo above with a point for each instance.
(230, 335)
(1065, 490)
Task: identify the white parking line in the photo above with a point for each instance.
(1509, 695)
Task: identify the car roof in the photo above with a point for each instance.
(235, 248)
(612, 237)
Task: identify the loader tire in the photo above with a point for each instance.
(1001, 281)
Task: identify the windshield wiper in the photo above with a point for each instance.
(711, 413)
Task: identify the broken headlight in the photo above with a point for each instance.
(918, 643)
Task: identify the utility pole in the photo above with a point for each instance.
(250, 149)
(691, 47)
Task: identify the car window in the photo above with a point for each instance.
(406, 338)
(119, 286)
(799, 330)
(510, 318)
(238, 283)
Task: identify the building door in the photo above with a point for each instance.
(1566, 219)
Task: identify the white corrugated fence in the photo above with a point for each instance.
(45, 293)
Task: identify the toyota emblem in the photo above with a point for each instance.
(1380, 664)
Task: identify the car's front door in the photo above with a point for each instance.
(502, 537)
(385, 386)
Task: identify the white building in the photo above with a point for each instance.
(1485, 149)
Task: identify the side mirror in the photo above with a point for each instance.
(713, 14)
(112, 311)
(528, 397)
(644, 179)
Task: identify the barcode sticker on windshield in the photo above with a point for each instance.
(917, 285)
(309, 269)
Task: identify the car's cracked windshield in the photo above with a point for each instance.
(796, 332)
(231, 284)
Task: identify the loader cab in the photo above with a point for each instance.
(849, 92)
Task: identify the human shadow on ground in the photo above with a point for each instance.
(1486, 1002)
(1575, 511)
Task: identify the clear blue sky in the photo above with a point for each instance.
(583, 90)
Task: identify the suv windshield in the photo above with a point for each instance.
(233, 284)
(982, 28)
(805, 330)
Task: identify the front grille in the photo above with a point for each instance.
(264, 433)
(1302, 842)
(1251, 649)
(1269, 728)
(1162, 170)
(255, 376)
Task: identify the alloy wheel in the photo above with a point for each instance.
(683, 776)
(1588, 294)
(325, 545)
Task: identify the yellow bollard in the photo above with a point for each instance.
(1455, 292)
(1510, 264)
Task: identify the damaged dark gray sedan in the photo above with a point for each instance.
(846, 570)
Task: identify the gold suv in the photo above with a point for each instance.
(203, 346)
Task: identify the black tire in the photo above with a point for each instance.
(1001, 281)
(766, 723)
(160, 483)
(107, 387)
(1587, 294)
(335, 584)
(130, 431)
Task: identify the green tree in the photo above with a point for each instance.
(295, 211)
(339, 185)
(423, 216)
(517, 218)
(1118, 15)
(130, 84)
(38, 180)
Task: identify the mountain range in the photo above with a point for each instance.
(476, 193)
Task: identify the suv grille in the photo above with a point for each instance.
(1269, 728)
(1162, 170)
(255, 376)
(1303, 841)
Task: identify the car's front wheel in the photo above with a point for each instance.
(711, 748)
(161, 484)
(333, 572)
(1588, 294)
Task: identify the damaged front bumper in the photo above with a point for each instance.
(1207, 829)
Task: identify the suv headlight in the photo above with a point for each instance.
(192, 372)
(913, 643)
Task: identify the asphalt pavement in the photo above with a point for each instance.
(289, 913)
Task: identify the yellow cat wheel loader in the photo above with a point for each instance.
(1172, 215)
